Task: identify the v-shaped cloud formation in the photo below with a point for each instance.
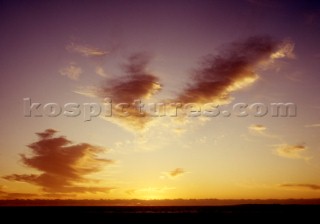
(232, 69)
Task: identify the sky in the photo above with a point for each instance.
(159, 99)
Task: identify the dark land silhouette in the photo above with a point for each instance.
(179, 211)
(167, 202)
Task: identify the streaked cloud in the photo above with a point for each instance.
(302, 186)
(232, 69)
(312, 126)
(100, 71)
(148, 192)
(14, 196)
(130, 192)
(63, 166)
(262, 131)
(2, 191)
(176, 172)
(86, 50)
(291, 151)
(179, 131)
(72, 71)
(89, 91)
(5, 194)
(285, 50)
(257, 128)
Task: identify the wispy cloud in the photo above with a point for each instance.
(257, 128)
(175, 172)
(148, 192)
(2, 191)
(64, 166)
(285, 50)
(86, 50)
(100, 71)
(261, 130)
(291, 151)
(312, 126)
(72, 71)
(179, 131)
(302, 186)
(6, 195)
(232, 69)
(89, 91)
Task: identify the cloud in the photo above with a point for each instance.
(302, 186)
(257, 128)
(100, 71)
(312, 126)
(2, 191)
(261, 130)
(176, 172)
(72, 71)
(137, 84)
(64, 166)
(88, 91)
(218, 76)
(130, 191)
(232, 69)
(6, 195)
(291, 151)
(285, 50)
(14, 196)
(86, 50)
(179, 131)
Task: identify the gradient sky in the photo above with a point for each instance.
(221, 52)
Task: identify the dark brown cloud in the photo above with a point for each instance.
(63, 165)
(232, 69)
(305, 186)
(13, 196)
(137, 84)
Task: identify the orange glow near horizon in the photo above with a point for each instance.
(155, 101)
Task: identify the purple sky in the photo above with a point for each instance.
(52, 50)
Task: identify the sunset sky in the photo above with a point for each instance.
(209, 54)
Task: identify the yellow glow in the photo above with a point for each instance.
(244, 82)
